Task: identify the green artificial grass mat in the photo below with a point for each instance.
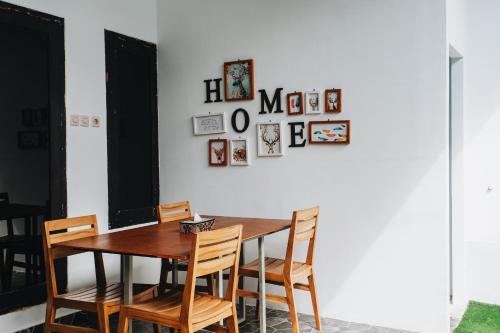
(480, 318)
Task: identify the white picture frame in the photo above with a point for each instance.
(309, 107)
(267, 145)
(212, 123)
(239, 152)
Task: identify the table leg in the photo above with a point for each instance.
(127, 279)
(220, 286)
(175, 274)
(262, 285)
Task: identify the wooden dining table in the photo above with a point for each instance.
(167, 242)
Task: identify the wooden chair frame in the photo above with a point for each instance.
(211, 251)
(303, 228)
(104, 299)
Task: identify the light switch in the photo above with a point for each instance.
(74, 120)
(95, 121)
(84, 121)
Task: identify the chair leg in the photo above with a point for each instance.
(7, 274)
(211, 284)
(50, 315)
(165, 268)
(103, 318)
(122, 322)
(232, 322)
(156, 328)
(314, 300)
(291, 306)
(257, 304)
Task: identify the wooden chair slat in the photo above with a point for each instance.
(305, 225)
(72, 222)
(306, 235)
(71, 235)
(214, 265)
(174, 211)
(220, 249)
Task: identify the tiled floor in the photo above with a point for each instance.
(277, 322)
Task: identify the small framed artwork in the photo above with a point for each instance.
(217, 152)
(295, 103)
(239, 151)
(311, 100)
(213, 123)
(269, 139)
(330, 132)
(238, 80)
(333, 100)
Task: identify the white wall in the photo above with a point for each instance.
(381, 252)
(482, 119)
(85, 22)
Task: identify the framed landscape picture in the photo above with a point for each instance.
(294, 102)
(312, 100)
(238, 80)
(217, 152)
(333, 100)
(269, 139)
(239, 152)
(330, 132)
(209, 124)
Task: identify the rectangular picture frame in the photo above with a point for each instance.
(270, 139)
(295, 103)
(329, 132)
(238, 80)
(212, 123)
(312, 102)
(239, 152)
(333, 100)
(217, 152)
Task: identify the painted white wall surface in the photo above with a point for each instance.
(85, 22)
(482, 119)
(381, 255)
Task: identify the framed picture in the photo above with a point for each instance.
(312, 100)
(217, 152)
(269, 139)
(238, 80)
(295, 103)
(209, 124)
(333, 100)
(239, 152)
(330, 132)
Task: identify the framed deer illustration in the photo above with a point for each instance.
(217, 152)
(269, 139)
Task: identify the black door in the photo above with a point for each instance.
(32, 149)
(132, 126)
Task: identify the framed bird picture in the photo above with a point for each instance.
(333, 100)
(295, 103)
(330, 132)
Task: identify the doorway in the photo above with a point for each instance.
(132, 128)
(456, 179)
(32, 149)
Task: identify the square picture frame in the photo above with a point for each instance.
(333, 100)
(217, 152)
(295, 103)
(239, 152)
(329, 132)
(270, 139)
(312, 101)
(238, 80)
(212, 123)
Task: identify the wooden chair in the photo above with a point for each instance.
(103, 298)
(189, 311)
(174, 212)
(288, 272)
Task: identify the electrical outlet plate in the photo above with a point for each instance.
(95, 121)
(75, 120)
(84, 121)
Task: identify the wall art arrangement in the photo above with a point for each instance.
(238, 77)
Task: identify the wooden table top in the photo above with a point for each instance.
(165, 240)
(14, 211)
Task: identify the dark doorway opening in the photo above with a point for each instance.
(132, 128)
(32, 149)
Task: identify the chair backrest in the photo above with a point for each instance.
(4, 199)
(56, 231)
(212, 251)
(303, 228)
(173, 211)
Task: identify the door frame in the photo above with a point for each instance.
(54, 27)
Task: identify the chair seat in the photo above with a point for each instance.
(112, 294)
(274, 269)
(166, 309)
